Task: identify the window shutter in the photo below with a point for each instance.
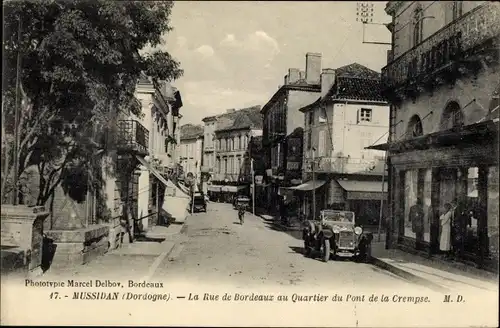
(358, 116)
(321, 143)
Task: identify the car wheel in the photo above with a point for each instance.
(325, 254)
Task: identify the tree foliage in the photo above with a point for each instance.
(80, 62)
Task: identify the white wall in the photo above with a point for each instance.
(350, 137)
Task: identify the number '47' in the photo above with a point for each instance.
(54, 295)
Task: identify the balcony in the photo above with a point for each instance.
(456, 48)
(133, 137)
(232, 178)
(345, 165)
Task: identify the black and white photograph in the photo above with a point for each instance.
(250, 163)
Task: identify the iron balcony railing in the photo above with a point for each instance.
(132, 137)
(345, 165)
(449, 43)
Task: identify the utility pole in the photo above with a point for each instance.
(253, 185)
(314, 183)
(382, 199)
(17, 114)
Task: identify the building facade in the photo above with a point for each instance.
(146, 151)
(350, 115)
(232, 171)
(283, 126)
(442, 82)
(191, 149)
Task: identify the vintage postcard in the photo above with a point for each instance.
(250, 163)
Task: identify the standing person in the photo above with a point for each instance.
(445, 223)
(416, 217)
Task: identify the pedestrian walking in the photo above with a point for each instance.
(445, 223)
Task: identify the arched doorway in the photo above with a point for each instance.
(452, 116)
(415, 128)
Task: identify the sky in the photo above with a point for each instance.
(235, 53)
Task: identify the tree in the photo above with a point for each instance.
(80, 62)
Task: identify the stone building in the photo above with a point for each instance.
(351, 114)
(146, 152)
(191, 149)
(442, 82)
(283, 126)
(234, 132)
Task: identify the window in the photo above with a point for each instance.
(321, 143)
(322, 115)
(365, 115)
(415, 128)
(309, 140)
(417, 26)
(311, 117)
(417, 194)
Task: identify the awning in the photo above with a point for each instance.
(363, 190)
(232, 188)
(214, 188)
(152, 169)
(309, 185)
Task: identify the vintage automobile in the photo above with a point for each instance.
(198, 203)
(336, 234)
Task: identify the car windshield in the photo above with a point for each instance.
(339, 216)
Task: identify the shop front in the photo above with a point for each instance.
(444, 193)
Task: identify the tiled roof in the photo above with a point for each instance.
(356, 82)
(357, 89)
(190, 131)
(358, 71)
(240, 119)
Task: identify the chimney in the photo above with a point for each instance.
(286, 80)
(302, 75)
(293, 75)
(327, 80)
(313, 67)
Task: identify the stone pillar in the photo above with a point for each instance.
(22, 230)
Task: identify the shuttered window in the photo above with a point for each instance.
(321, 143)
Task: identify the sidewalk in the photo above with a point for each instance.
(432, 273)
(137, 260)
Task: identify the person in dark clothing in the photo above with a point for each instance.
(416, 217)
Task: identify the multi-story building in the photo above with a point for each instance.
(191, 149)
(283, 125)
(148, 143)
(442, 81)
(235, 130)
(210, 125)
(350, 115)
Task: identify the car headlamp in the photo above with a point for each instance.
(336, 229)
(358, 230)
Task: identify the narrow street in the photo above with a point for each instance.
(218, 250)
